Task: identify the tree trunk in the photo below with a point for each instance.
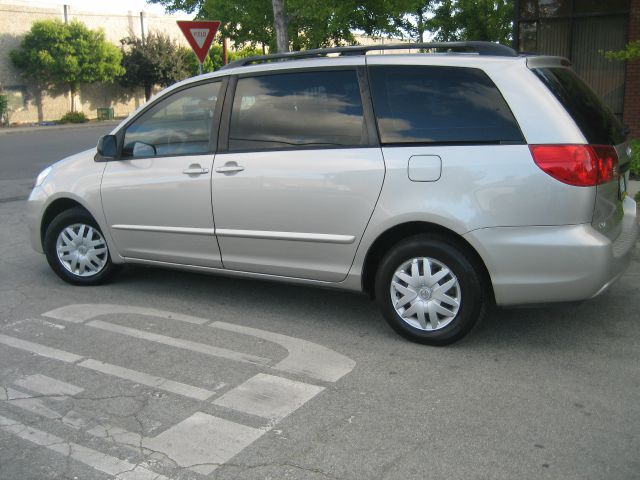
(72, 99)
(421, 26)
(147, 92)
(281, 25)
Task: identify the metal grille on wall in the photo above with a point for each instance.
(580, 30)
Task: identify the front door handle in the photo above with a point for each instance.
(230, 167)
(195, 170)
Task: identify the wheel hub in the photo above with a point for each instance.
(425, 293)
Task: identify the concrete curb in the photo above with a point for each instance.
(66, 126)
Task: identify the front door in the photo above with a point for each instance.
(157, 195)
(293, 193)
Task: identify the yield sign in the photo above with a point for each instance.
(199, 34)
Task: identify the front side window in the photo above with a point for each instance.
(434, 104)
(297, 110)
(178, 125)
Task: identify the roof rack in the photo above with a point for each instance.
(481, 48)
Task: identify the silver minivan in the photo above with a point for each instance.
(439, 184)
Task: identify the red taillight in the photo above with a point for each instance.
(579, 165)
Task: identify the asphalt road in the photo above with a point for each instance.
(24, 154)
(176, 375)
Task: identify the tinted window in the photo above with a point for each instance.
(178, 125)
(597, 123)
(440, 104)
(295, 110)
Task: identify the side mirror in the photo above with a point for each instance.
(108, 146)
(141, 149)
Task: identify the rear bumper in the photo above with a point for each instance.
(530, 265)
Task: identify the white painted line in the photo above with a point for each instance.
(120, 469)
(27, 403)
(80, 313)
(305, 358)
(180, 343)
(34, 405)
(47, 386)
(39, 349)
(268, 396)
(203, 442)
(116, 434)
(148, 380)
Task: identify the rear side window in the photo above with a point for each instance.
(598, 124)
(297, 110)
(416, 104)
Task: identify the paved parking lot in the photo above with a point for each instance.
(173, 375)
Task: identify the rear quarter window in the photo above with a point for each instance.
(433, 104)
(598, 124)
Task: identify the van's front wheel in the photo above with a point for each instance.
(76, 249)
(429, 290)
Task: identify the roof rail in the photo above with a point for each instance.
(481, 48)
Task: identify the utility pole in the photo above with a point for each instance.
(65, 9)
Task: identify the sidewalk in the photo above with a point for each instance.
(38, 128)
(633, 188)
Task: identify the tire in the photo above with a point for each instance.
(76, 249)
(413, 304)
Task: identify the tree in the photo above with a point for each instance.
(54, 55)
(488, 20)
(158, 60)
(310, 24)
(410, 17)
(214, 60)
(281, 25)
(630, 52)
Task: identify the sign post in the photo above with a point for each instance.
(200, 35)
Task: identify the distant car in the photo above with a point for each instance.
(437, 183)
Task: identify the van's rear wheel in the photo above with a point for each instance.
(76, 249)
(429, 290)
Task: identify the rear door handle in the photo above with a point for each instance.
(231, 167)
(195, 170)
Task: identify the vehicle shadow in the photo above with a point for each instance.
(609, 318)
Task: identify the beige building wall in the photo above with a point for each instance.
(27, 105)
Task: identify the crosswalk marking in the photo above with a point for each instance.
(305, 358)
(160, 383)
(180, 343)
(202, 442)
(80, 313)
(120, 469)
(47, 386)
(268, 396)
(39, 349)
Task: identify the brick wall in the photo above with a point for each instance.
(632, 80)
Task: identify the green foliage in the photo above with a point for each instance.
(74, 117)
(214, 60)
(488, 20)
(637, 198)
(311, 24)
(54, 55)
(635, 158)
(158, 60)
(630, 52)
